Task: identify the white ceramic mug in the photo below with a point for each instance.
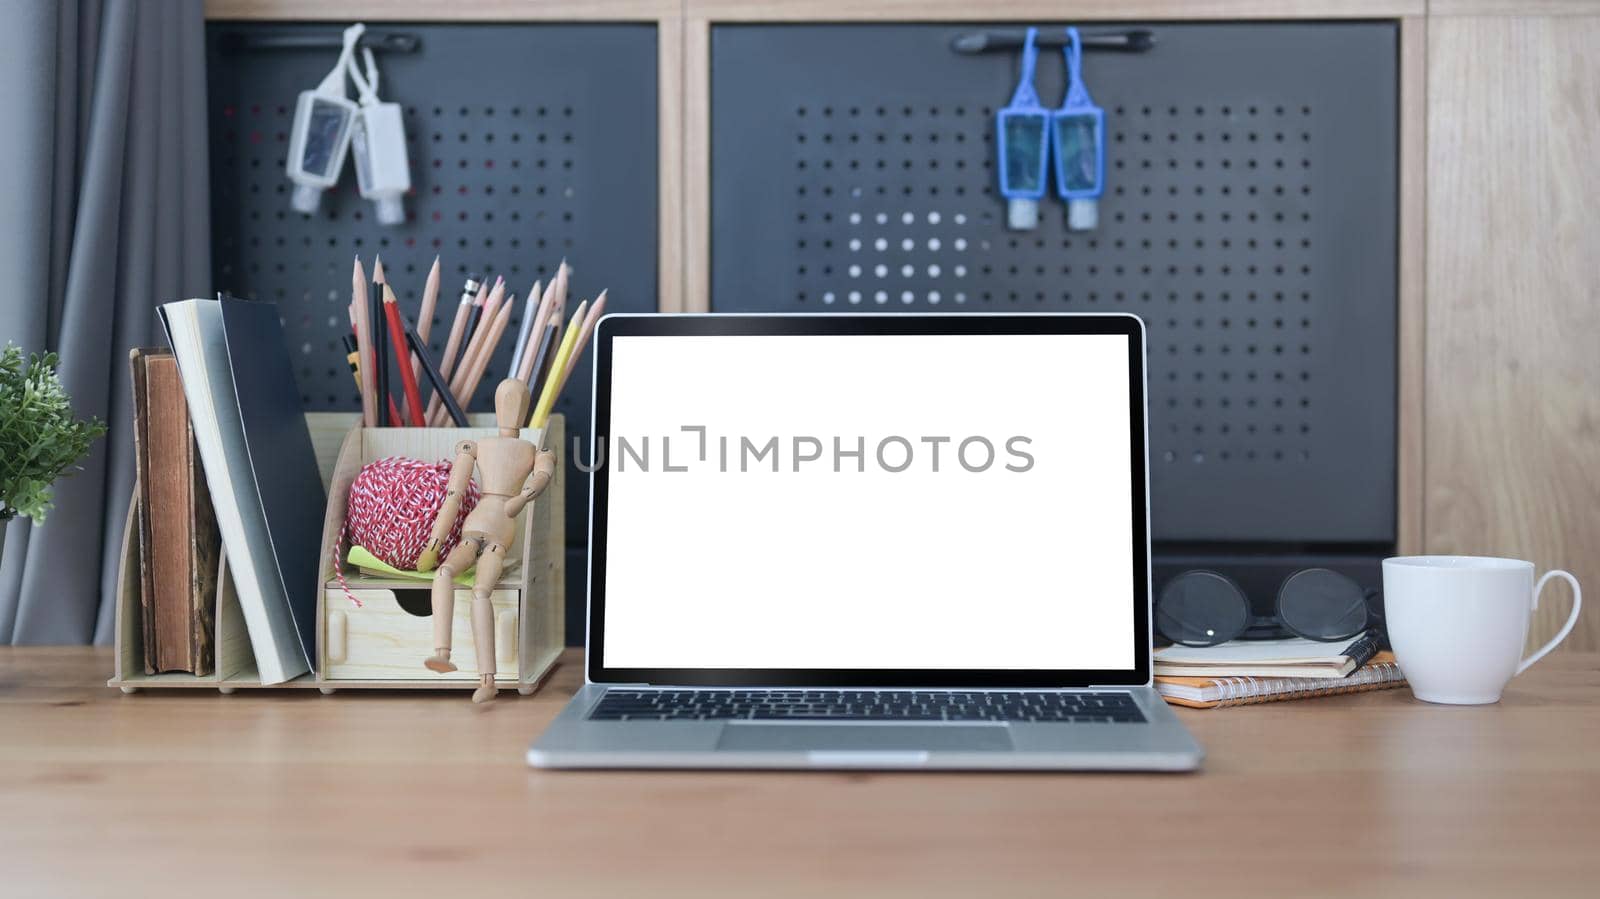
(1458, 623)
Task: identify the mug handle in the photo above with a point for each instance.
(1572, 619)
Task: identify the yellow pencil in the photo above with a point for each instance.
(552, 384)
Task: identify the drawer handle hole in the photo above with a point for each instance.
(415, 602)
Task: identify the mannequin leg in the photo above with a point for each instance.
(489, 565)
(444, 604)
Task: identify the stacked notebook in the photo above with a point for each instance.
(1250, 671)
(260, 470)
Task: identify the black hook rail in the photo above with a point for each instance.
(378, 41)
(1133, 40)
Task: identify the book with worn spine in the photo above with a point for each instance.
(179, 546)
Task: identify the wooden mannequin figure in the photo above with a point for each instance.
(503, 463)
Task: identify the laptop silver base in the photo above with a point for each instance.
(1159, 744)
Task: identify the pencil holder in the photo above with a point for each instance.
(379, 633)
(380, 643)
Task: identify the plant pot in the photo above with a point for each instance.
(3, 541)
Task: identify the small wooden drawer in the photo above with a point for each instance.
(391, 632)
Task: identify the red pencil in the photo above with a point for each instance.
(397, 336)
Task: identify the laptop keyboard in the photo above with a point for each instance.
(866, 705)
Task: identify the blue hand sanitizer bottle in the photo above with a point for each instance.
(1022, 136)
(1078, 131)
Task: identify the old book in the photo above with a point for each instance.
(141, 464)
(178, 540)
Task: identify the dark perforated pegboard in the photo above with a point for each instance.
(1250, 219)
(528, 143)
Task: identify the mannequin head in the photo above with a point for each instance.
(510, 406)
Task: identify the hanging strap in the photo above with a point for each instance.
(1077, 93)
(334, 82)
(1025, 95)
(366, 87)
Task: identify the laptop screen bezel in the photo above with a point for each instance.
(648, 325)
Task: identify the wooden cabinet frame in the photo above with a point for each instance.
(684, 28)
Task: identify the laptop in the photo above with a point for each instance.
(868, 541)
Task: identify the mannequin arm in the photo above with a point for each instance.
(460, 476)
(544, 471)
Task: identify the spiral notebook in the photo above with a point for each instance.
(1216, 692)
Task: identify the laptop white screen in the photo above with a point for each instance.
(828, 501)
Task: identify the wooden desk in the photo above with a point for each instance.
(293, 793)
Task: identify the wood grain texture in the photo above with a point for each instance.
(814, 10)
(1410, 416)
(379, 640)
(696, 165)
(374, 11)
(277, 793)
(669, 142)
(1045, 10)
(1513, 7)
(1513, 405)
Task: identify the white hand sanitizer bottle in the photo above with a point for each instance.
(383, 168)
(320, 138)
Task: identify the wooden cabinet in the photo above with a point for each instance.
(1512, 360)
(1499, 244)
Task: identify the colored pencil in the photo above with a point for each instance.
(491, 309)
(485, 313)
(377, 271)
(563, 275)
(541, 321)
(589, 321)
(542, 374)
(452, 347)
(496, 330)
(440, 388)
(558, 311)
(380, 355)
(547, 347)
(530, 309)
(458, 325)
(361, 311)
(475, 314)
(352, 355)
(552, 384)
(397, 335)
(430, 298)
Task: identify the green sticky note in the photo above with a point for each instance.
(368, 562)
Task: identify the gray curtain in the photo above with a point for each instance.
(104, 186)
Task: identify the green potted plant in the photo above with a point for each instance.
(40, 440)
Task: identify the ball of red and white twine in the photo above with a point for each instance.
(391, 509)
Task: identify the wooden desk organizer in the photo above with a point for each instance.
(381, 643)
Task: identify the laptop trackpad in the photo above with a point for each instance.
(864, 738)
